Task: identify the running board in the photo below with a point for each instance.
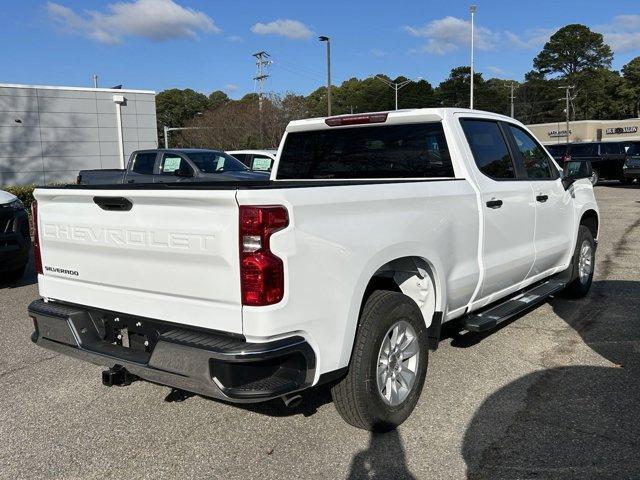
(496, 314)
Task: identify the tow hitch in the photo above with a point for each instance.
(117, 376)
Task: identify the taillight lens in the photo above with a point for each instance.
(261, 272)
(37, 258)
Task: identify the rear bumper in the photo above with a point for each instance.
(199, 361)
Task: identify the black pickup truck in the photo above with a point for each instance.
(173, 165)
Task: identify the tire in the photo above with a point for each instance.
(581, 284)
(357, 396)
(626, 181)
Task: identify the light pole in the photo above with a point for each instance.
(396, 86)
(323, 38)
(472, 10)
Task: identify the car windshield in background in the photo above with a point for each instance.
(634, 150)
(216, 162)
(584, 150)
(390, 151)
(556, 150)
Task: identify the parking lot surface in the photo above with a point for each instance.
(552, 394)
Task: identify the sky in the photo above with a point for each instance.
(208, 45)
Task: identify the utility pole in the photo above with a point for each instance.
(512, 99)
(95, 80)
(326, 39)
(262, 62)
(472, 10)
(396, 86)
(567, 98)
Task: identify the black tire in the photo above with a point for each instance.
(356, 396)
(626, 181)
(580, 286)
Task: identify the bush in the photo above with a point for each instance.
(23, 192)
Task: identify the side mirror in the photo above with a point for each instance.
(573, 171)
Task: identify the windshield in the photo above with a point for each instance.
(216, 162)
(634, 149)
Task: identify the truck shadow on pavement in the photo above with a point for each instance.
(569, 422)
(384, 458)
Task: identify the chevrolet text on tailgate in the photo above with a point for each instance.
(372, 231)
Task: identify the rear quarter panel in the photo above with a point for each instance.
(339, 236)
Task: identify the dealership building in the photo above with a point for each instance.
(588, 131)
(48, 134)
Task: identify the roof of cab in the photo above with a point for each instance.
(393, 116)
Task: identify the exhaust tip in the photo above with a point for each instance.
(292, 401)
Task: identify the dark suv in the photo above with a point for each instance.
(15, 238)
(607, 158)
(631, 167)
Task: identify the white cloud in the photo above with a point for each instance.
(230, 87)
(156, 20)
(622, 34)
(376, 52)
(450, 33)
(529, 40)
(292, 29)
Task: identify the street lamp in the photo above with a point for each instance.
(323, 38)
(472, 10)
(396, 86)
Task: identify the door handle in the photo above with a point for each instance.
(493, 203)
(113, 204)
(542, 198)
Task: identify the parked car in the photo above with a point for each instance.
(256, 160)
(15, 237)
(606, 158)
(375, 230)
(631, 166)
(173, 165)
(558, 151)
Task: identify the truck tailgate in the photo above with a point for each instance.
(172, 256)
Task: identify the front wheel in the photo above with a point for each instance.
(584, 259)
(388, 364)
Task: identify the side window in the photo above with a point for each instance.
(243, 157)
(535, 159)
(489, 149)
(261, 164)
(172, 163)
(144, 163)
(611, 148)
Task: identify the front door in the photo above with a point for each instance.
(507, 206)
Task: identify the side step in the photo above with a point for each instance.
(496, 314)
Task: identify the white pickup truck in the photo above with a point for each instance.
(372, 231)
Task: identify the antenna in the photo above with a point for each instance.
(262, 62)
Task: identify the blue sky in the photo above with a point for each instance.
(207, 45)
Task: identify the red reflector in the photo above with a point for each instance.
(37, 258)
(356, 119)
(261, 272)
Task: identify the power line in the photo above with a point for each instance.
(262, 63)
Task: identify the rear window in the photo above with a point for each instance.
(144, 163)
(584, 150)
(390, 151)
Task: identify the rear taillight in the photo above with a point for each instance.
(37, 258)
(261, 272)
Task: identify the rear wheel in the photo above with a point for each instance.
(584, 258)
(388, 364)
(15, 275)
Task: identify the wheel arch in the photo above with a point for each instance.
(591, 220)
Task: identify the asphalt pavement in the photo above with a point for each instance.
(553, 394)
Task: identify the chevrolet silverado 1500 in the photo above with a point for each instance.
(373, 231)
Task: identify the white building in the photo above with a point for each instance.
(48, 134)
(588, 131)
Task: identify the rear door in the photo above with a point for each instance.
(507, 205)
(554, 217)
(173, 255)
(142, 167)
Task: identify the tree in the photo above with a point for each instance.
(217, 99)
(571, 50)
(455, 90)
(175, 107)
(631, 87)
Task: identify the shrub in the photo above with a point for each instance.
(23, 192)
